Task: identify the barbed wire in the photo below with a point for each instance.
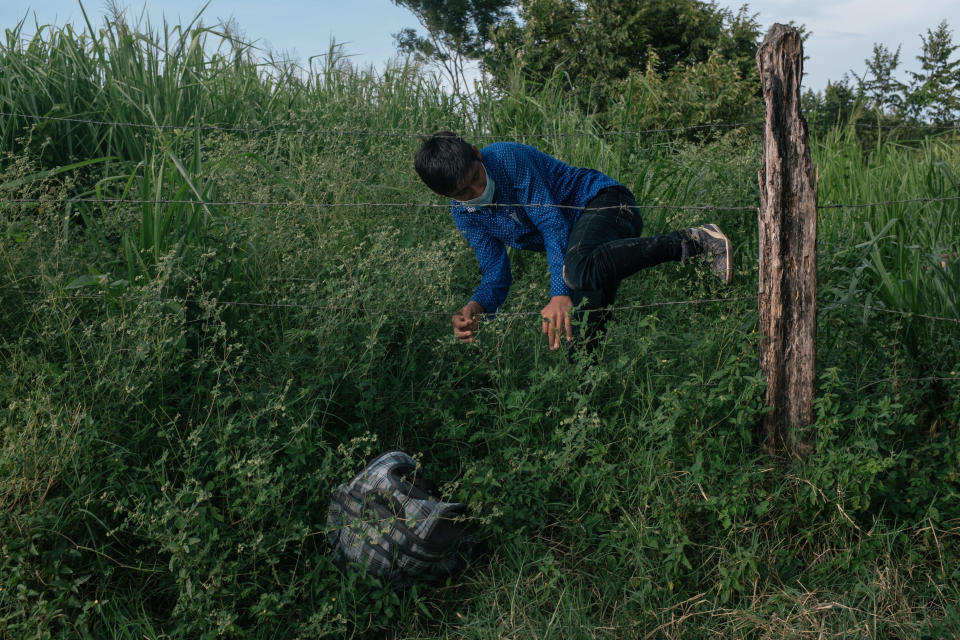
(359, 205)
(41, 295)
(951, 378)
(510, 315)
(377, 132)
(887, 202)
(863, 384)
(638, 307)
(447, 205)
(903, 126)
(291, 204)
(824, 306)
(476, 135)
(222, 128)
(912, 314)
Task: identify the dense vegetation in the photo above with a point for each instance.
(693, 55)
(596, 47)
(186, 383)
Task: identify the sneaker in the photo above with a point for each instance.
(709, 243)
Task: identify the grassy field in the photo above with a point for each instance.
(185, 384)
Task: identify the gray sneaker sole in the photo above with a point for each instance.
(727, 273)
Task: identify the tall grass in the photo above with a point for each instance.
(902, 256)
(185, 384)
(181, 76)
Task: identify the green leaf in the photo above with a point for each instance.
(87, 280)
(13, 184)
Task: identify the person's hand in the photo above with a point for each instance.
(556, 320)
(465, 321)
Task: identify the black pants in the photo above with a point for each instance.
(605, 246)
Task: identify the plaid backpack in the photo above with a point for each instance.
(388, 523)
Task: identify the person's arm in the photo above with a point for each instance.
(554, 228)
(495, 278)
(556, 315)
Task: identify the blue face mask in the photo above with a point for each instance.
(487, 196)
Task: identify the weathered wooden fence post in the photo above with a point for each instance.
(788, 247)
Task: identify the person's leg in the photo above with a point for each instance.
(606, 243)
(592, 311)
(710, 244)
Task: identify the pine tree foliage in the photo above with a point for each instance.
(879, 84)
(934, 92)
(931, 95)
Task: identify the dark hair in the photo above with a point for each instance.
(443, 161)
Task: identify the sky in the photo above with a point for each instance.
(842, 31)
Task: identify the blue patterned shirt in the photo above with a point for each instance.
(524, 175)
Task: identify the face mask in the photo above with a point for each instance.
(487, 196)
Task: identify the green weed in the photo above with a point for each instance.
(187, 383)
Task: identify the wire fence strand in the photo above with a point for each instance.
(872, 383)
(213, 127)
(911, 314)
(435, 205)
(825, 305)
(358, 205)
(862, 384)
(888, 202)
(375, 132)
(39, 295)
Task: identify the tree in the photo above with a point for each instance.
(879, 85)
(600, 43)
(595, 44)
(935, 90)
(838, 105)
(456, 31)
